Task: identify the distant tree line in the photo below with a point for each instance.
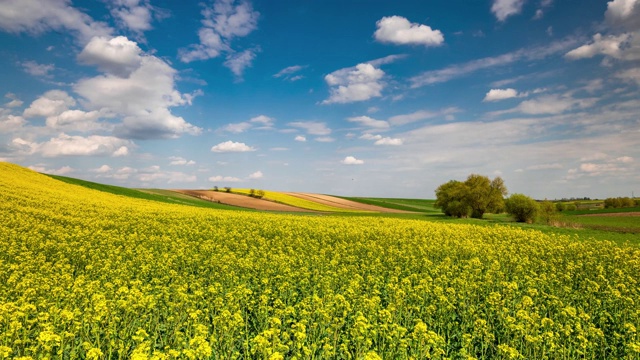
(620, 202)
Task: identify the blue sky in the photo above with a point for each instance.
(365, 98)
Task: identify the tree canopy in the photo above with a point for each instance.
(473, 197)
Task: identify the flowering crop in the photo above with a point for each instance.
(85, 274)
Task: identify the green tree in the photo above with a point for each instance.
(547, 212)
(474, 197)
(522, 208)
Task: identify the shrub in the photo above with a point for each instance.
(259, 194)
(215, 188)
(227, 189)
(571, 207)
(547, 212)
(522, 208)
(252, 192)
(560, 207)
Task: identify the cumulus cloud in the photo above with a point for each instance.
(623, 13)
(11, 123)
(389, 141)
(369, 122)
(35, 69)
(137, 87)
(66, 145)
(51, 103)
(502, 9)
(300, 138)
(102, 169)
(177, 160)
(350, 160)
(118, 56)
(135, 15)
(39, 16)
(500, 94)
(398, 30)
(325, 139)
(354, 84)
(369, 136)
(224, 21)
(263, 120)
(312, 127)
(230, 146)
(256, 175)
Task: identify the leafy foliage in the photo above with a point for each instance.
(473, 197)
(522, 208)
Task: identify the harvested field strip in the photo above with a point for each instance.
(241, 201)
(284, 198)
(342, 203)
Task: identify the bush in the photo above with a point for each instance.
(227, 189)
(547, 212)
(522, 208)
(215, 188)
(619, 202)
(571, 207)
(560, 207)
(259, 194)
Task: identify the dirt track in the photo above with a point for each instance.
(240, 200)
(342, 203)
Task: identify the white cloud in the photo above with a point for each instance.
(544, 4)
(389, 141)
(369, 136)
(102, 169)
(11, 123)
(553, 104)
(61, 171)
(177, 160)
(325, 139)
(623, 13)
(219, 178)
(118, 56)
(134, 15)
(238, 62)
(237, 128)
(141, 96)
(369, 122)
(300, 138)
(398, 30)
(500, 94)
(15, 102)
(350, 160)
(76, 120)
(230, 146)
(256, 175)
(39, 16)
(354, 84)
(622, 47)
(66, 145)
(459, 70)
(287, 73)
(155, 174)
(630, 75)
(224, 21)
(552, 166)
(51, 103)
(312, 127)
(264, 120)
(35, 69)
(421, 115)
(502, 9)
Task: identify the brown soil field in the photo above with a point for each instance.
(240, 200)
(342, 203)
(634, 213)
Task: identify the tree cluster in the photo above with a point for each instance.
(474, 197)
(619, 202)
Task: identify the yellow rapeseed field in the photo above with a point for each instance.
(85, 274)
